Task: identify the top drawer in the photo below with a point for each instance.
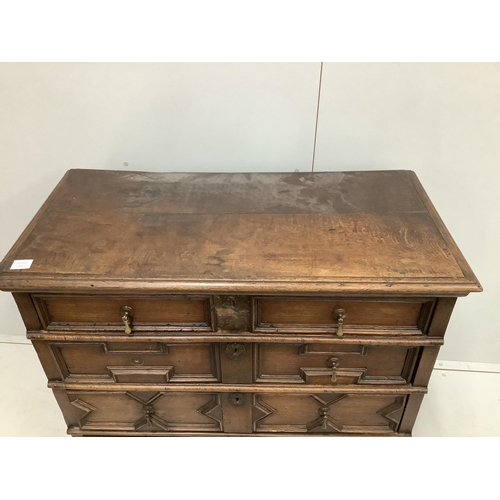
(145, 313)
(363, 316)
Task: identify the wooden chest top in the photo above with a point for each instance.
(366, 232)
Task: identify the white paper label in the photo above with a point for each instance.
(22, 264)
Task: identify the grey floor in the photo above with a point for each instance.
(463, 398)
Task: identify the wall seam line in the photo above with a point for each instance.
(317, 116)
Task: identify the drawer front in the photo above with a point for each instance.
(327, 413)
(136, 362)
(153, 313)
(142, 412)
(302, 315)
(151, 412)
(333, 364)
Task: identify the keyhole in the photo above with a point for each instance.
(235, 351)
(237, 399)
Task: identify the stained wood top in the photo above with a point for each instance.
(334, 232)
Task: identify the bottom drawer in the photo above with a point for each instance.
(268, 413)
(140, 412)
(327, 413)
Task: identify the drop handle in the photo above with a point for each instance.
(127, 314)
(339, 315)
(333, 363)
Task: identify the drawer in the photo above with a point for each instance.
(141, 412)
(333, 364)
(130, 362)
(170, 412)
(313, 315)
(327, 413)
(146, 313)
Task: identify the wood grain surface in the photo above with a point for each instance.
(290, 232)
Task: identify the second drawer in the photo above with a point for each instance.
(333, 364)
(130, 362)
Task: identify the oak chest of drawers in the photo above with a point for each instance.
(204, 304)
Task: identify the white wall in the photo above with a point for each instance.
(441, 120)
